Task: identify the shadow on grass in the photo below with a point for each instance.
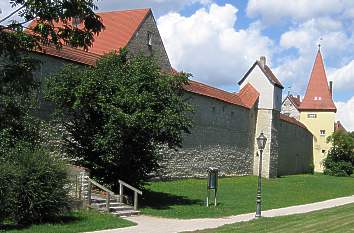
(160, 200)
(59, 220)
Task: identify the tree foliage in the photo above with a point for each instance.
(340, 158)
(18, 89)
(118, 114)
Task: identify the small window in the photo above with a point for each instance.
(323, 151)
(149, 39)
(322, 132)
(213, 109)
(311, 115)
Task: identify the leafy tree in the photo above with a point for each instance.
(340, 158)
(119, 114)
(18, 89)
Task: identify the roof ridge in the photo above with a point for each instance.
(128, 10)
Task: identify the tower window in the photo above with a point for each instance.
(311, 115)
(322, 132)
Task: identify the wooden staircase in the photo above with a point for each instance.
(101, 198)
(115, 207)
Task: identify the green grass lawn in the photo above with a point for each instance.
(186, 198)
(77, 221)
(338, 219)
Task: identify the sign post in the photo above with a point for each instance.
(212, 184)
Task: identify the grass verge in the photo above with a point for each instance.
(73, 222)
(186, 198)
(338, 219)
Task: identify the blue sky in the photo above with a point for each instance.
(218, 40)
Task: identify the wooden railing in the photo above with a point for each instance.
(108, 192)
(136, 192)
(111, 194)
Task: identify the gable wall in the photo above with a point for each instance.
(265, 88)
(289, 109)
(139, 43)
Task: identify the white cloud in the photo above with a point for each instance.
(275, 10)
(304, 39)
(6, 9)
(207, 44)
(343, 77)
(345, 113)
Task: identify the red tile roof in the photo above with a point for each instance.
(71, 54)
(318, 95)
(294, 100)
(203, 89)
(291, 120)
(248, 95)
(339, 127)
(266, 71)
(120, 27)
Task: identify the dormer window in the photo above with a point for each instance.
(149, 39)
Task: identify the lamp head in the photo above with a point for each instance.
(261, 141)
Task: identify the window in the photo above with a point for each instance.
(149, 39)
(311, 115)
(323, 151)
(322, 132)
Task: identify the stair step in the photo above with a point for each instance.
(112, 204)
(121, 208)
(126, 213)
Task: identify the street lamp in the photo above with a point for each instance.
(261, 141)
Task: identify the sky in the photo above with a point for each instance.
(218, 40)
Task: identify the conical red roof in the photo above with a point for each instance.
(318, 95)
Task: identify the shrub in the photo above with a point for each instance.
(339, 168)
(340, 158)
(38, 190)
(8, 184)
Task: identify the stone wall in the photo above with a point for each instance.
(139, 43)
(295, 149)
(222, 137)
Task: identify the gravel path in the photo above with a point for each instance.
(148, 224)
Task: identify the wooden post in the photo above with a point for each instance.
(121, 192)
(135, 201)
(76, 186)
(108, 201)
(89, 192)
(80, 187)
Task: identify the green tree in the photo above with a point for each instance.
(340, 158)
(119, 114)
(18, 89)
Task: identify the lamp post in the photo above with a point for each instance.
(261, 141)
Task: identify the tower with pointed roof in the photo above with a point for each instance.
(317, 111)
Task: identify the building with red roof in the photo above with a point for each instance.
(226, 124)
(316, 111)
